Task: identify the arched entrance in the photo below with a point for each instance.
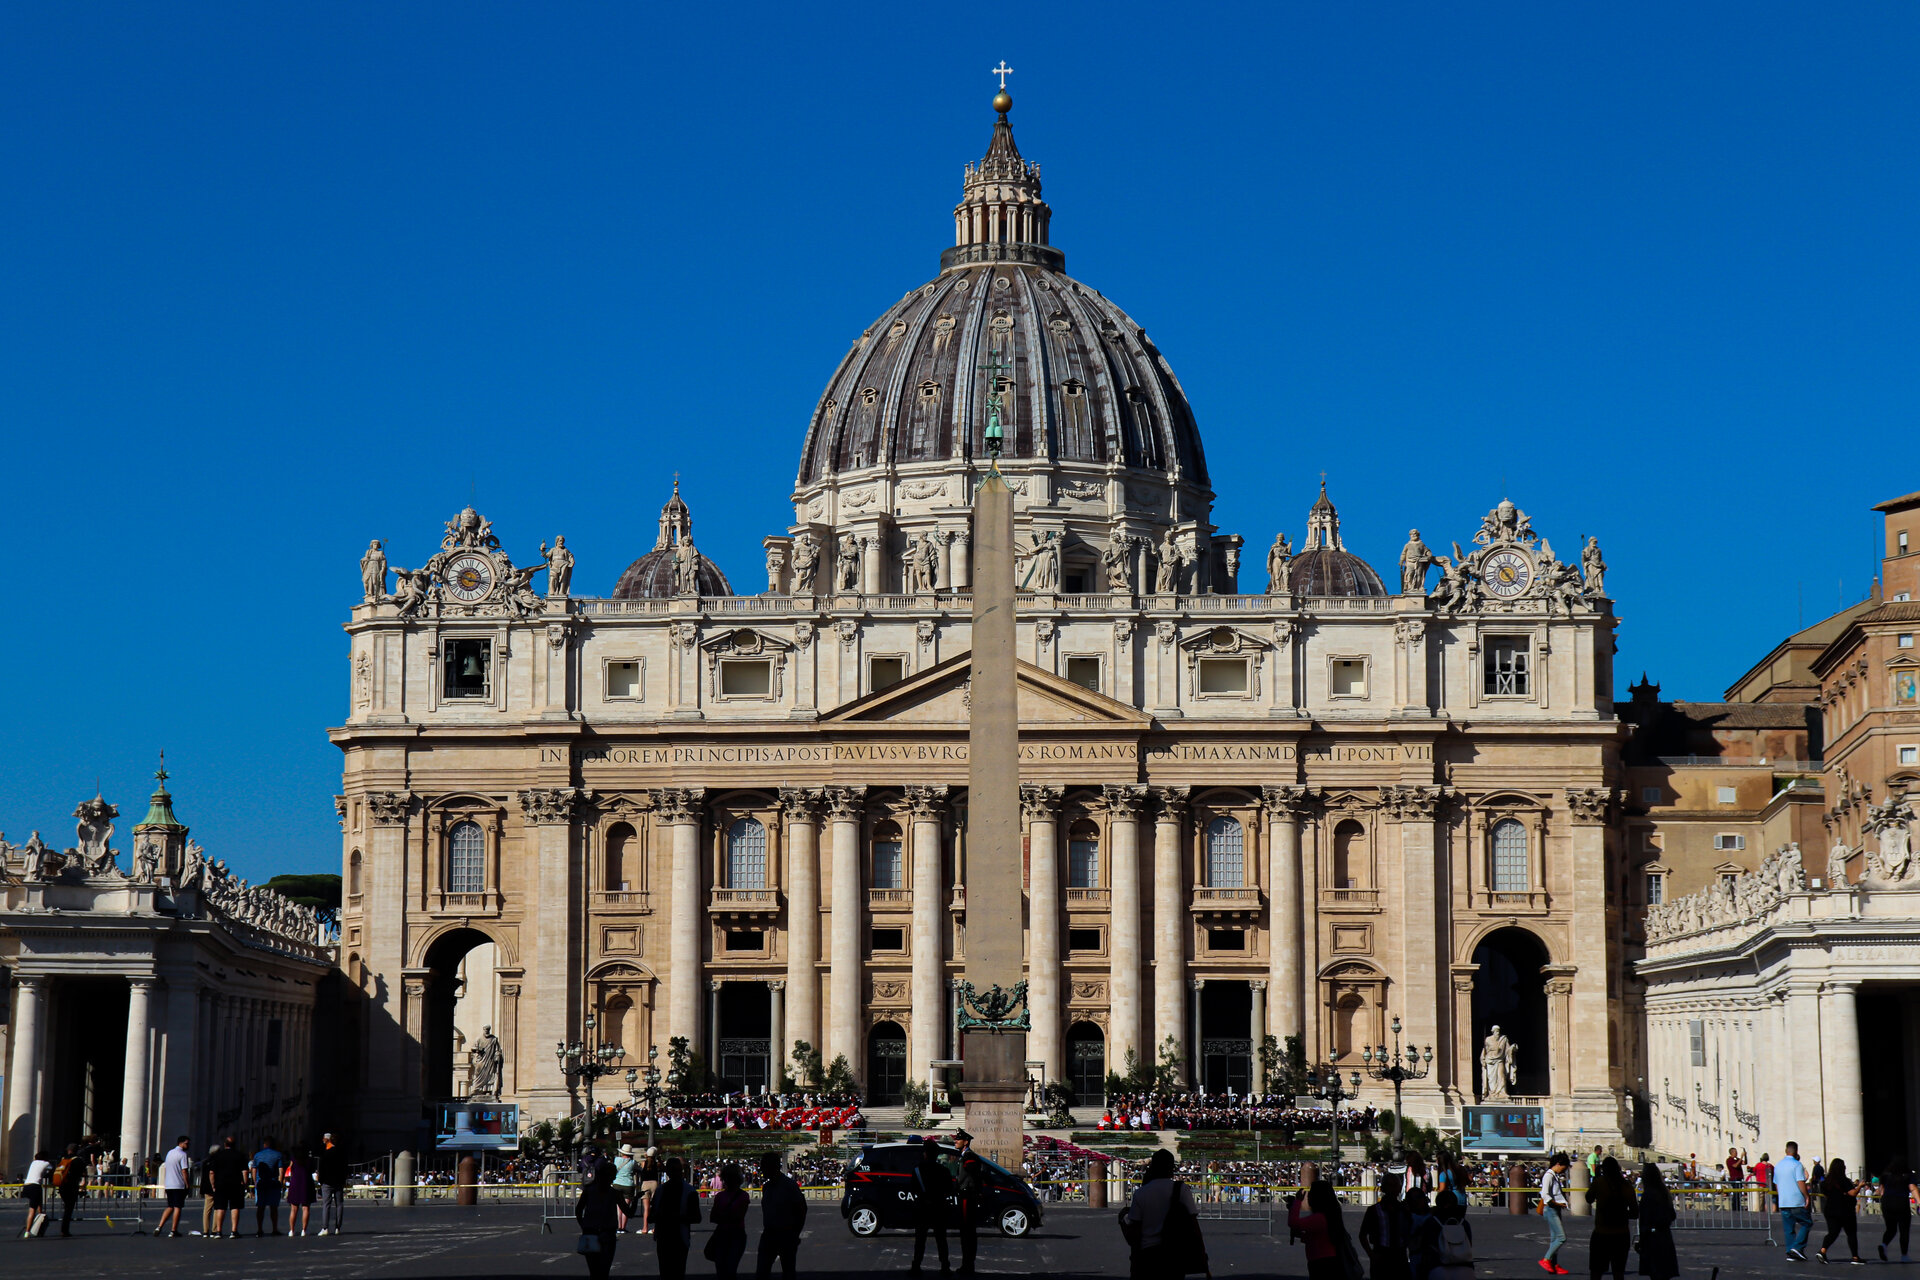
(1510, 992)
(1086, 1063)
(461, 1001)
(886, 1064)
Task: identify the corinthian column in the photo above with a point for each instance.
(1123, 973)
(1285, 806)
(927, 805)
(1423, 899)
(844, 808)
(679, 810)
(1169, 921)
(1041, 805)
(548, 813)
(801, 809)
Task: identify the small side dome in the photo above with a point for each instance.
(1324, 566)
(651, 577)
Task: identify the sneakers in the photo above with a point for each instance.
(1856, 1261)
(323, 1231)
(1546, 1265)
(1794, 1255)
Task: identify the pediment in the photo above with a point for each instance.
(941, 695)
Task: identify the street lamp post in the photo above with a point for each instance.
(1328, 1085)
(651, 1093)
(1382, 1065)
(588, 1061)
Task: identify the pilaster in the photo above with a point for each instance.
(1041, 806)
(1123, 805)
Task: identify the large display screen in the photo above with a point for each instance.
(1510, 1129)
(477, 1126)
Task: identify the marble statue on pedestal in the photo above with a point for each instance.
(1414, 559)
(559, 566)
(805, 557)
(847, 564)
(486, 1058)
(1593, 570)
(34, 859)
(373, 573)
(1279, 564)
(1496, 1067)
(1118, 561)
(1166, 577)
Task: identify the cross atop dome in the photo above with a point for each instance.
(1001, 217)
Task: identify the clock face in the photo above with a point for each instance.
(468, 578)
(1506, 573)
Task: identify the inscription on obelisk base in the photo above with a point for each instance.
(995, 1073)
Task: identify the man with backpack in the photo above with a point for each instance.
(1444, 1243)
(70, 1178)
(331, 1173)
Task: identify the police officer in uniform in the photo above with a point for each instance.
(932, 1184)
(972, 1185)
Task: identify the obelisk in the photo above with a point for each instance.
(996, 1060)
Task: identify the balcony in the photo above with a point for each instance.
(624, 899)
(466, 904)
(1226, 904)
(1532, 901)
(1090, 899)
(742, 904)
(1350, 899)
(889, 897)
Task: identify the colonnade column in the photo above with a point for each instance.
(1042, 806)
(1842, 1092)
(1805, 1119)
(1257, 1019)
(1123, 948)
(679, 809)
(1416, 810)
(962, 560)
(801, 809)
(1589, 1013)
(927, 805)
(384, 920)
(23, 1079)
(845, 805)
(1169, 921)
(777, 1020)
(1285, 806)
(548, 814)
(134, 1083)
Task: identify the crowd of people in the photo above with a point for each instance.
(1199, 1110)
(719, 1111)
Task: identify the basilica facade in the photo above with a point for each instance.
(1265, 792)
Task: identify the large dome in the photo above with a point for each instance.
(1324, 566)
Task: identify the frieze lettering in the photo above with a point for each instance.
(1190, 752)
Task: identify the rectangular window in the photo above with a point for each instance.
(1347, 678)
(1506, 666)
(1910, 755)
(1728, 795)
(1226, 939)
(1083, 939)
(888, 872)
(889, 939)
(746, 678)
(1084, 672)
(1652, 795)
(468, 665)
(746, 940)
(1083, 864)
(1656, 888)
(1906, 639)
(1223, 675)
(883, 673)
(1726, 840)
(1903, 541)
(1510, 873)
(623, 679)
(1697, 1042)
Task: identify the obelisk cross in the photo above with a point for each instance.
(1003, 71)
(996, 436)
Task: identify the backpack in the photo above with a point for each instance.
(1456, 1247)
(60, 1173)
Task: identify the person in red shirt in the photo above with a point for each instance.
(1736, 1175)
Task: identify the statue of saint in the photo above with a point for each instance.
(1593, 570)
(910, 580)
(34, 859)
(1043, 565)
(1279, 565)
(686, 567)
(1496, 1067)
(486, 1058)
(929, 563)
(1119, 567)
(373, 573)
(146, 862)
(559, 566)
(1166, 577)
(849, 563)
(804, 560)
(1837, 865)
(1414, 559)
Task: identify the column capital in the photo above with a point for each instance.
(1124, 801)
(389, 808)
(1288, 802)
(714, 984)
(1196, 983)
(35, 982)
(1039, 802)
(1414, 804)
(551, 806)
(801, 804)
(143, 982)
(680, 806)
(927, 804)
(846, 804)
(1840, 986)
(1259, 985)
(1169, 803)
(1590, 805)
(777, 984)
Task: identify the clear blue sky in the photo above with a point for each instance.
(282, 277)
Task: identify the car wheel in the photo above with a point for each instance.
(863, 1221)
(1015, 1222)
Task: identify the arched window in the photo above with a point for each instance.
(1083, 856)
(353, 874)
(747, 855)
(888, 871)
(1509, 857)
(1349, 854)
(619, 840)
(1226, 855)
(466, 859)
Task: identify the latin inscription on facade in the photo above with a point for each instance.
(851, 753)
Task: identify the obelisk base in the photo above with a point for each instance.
(996, 1093)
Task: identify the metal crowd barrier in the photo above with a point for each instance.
(1723, 1209)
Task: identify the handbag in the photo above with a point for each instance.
(587, 1243)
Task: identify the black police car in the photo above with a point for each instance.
(880, 1191)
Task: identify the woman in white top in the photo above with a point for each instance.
(32, 1191)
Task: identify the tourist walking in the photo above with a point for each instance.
(626, 1178)
(649, 1183)
(1658, 1260)
(265, 1174)
(1790, 1193)
(1383, 1234)
(1442, 1249)
(676, 1207)
(330, 1171)
(1445, 1176)
(932, 1184)
(1162, 1225)
(1553, 1207)
(728, 1214)
(1838, 1199)
(1614, 1208)
(227, 1174)
(783, 1212)
(1896, 1206)
(176, 1174)
(1315, 1218)
(33, 1190)
(206, 1191)
(70, 1179)
(598, 1213)
(299, 1191)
